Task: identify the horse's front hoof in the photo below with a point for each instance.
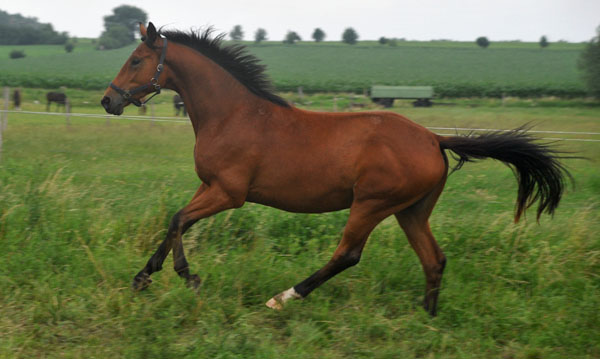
(141, 282)
(274, 304)
(193, 281)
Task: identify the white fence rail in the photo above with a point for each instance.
(4, 114)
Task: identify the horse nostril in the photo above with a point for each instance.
(105, 102)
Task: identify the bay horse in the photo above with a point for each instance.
(253, 146)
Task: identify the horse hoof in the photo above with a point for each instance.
(274, 304)
(277, 301)
(193, 281)
(141, 282)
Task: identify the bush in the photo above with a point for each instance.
(483, 42)
(69, 47)
(17, 54)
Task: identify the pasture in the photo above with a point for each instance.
(83, 206)
(455, 69)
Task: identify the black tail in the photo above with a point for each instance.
(540, 174)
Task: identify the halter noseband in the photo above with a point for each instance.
(127, 94)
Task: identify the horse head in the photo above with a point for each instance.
(140, 75)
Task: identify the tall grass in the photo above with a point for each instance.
(82, 208)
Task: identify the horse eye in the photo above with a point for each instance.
(135, 62)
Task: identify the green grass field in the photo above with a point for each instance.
(83, 206)
(455, 69)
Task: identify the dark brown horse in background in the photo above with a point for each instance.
(179, 105)
(58, 97)
(251, 145)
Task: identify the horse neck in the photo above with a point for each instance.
(210, 93)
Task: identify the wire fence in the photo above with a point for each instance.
(179, 120)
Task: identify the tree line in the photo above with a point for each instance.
(16, 29)
(120, 28)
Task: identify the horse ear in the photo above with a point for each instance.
(142, 31)
(151, 34)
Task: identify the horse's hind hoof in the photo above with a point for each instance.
(193, 281)
(141, 282)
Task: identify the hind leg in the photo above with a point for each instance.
(415, 223)
(363, 218)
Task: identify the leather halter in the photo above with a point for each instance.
(127, 94)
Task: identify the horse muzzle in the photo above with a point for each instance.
(112, 106)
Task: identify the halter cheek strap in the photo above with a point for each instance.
(127, 94)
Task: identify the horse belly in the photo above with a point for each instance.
(303, 194)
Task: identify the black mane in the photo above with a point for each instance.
(235, 59)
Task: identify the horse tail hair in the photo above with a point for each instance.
(540, 175)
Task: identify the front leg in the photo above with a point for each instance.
(207, 201)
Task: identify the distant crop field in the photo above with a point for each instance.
(83, 206)
(455, 69)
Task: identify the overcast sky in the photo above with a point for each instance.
(527, 20)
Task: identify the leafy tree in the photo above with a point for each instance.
(291, 37)
(19, 30)
(260, 35)
(120, 27)
(318, 35)
(114, 37)
(589, 63)
(483, 42)
(383, 40)
(350, 36)
(543, 42)
(128, 16)
(237, 34)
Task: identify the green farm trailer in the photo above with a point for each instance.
(385, 95)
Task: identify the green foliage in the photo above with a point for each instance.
(236, 34)
(69, 46)
(19, 30)
(115, 37)
(383, 40)
(260, 35)
(544, 42)
(17, 54)
(589, 63)
(120, 27)
(318, 35)
(350, 36)
(482, 42)
(291, 37)
(128, 16)
(82, 208)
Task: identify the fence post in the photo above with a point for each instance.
(335, 104)
(68, 111)
(4, 123)
(152, 113)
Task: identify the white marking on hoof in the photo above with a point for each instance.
(274, 304)
(279, 300)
